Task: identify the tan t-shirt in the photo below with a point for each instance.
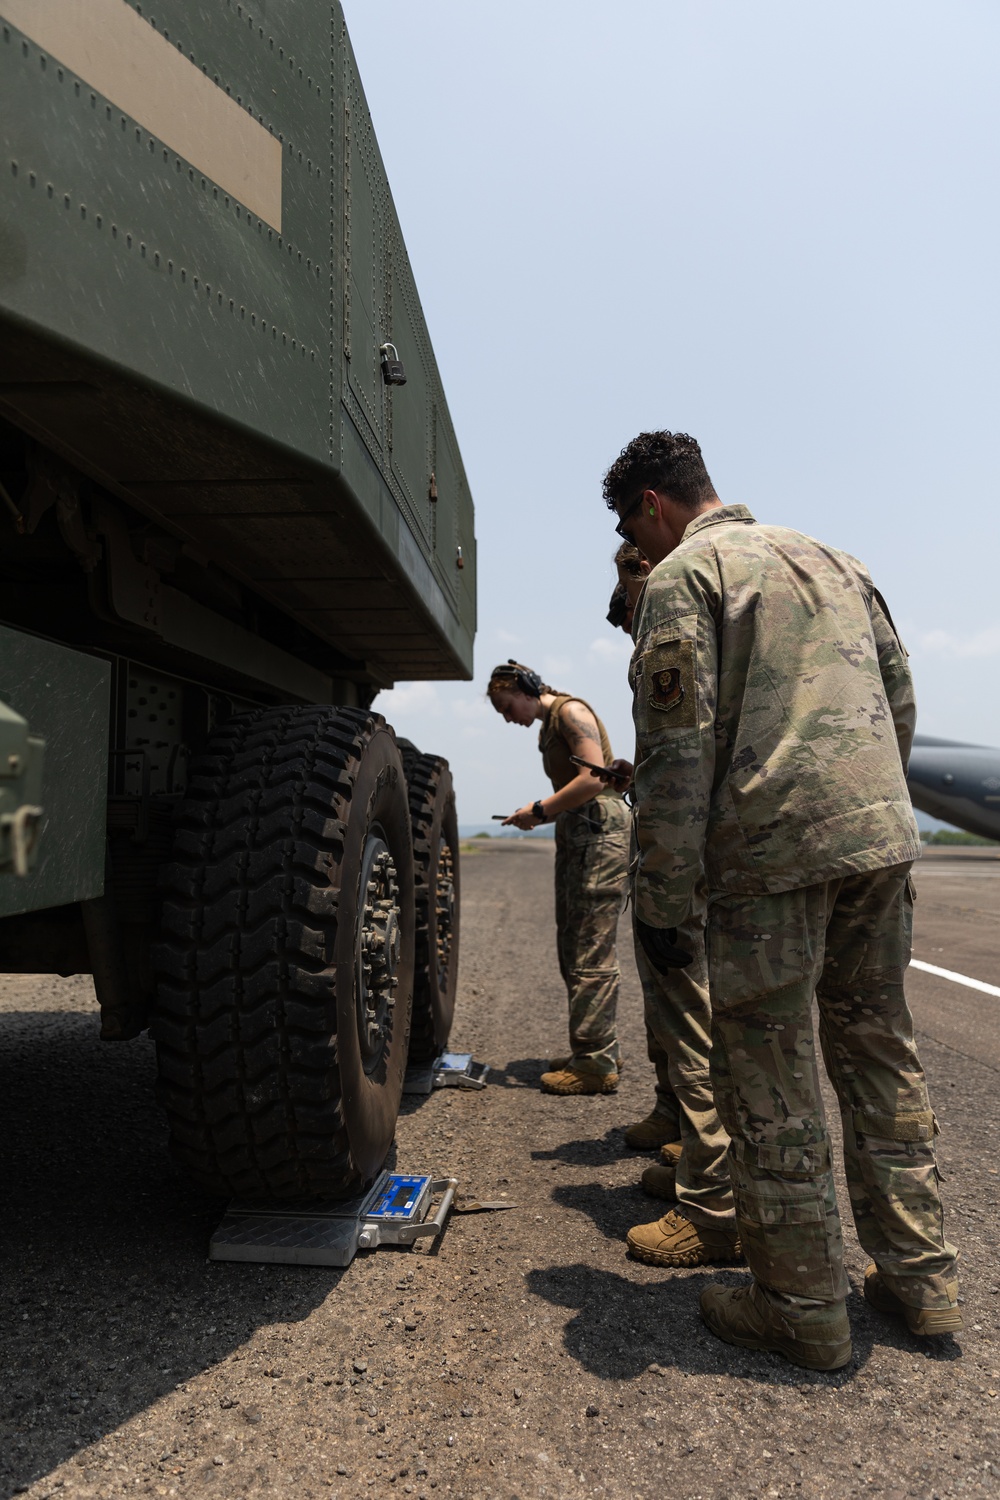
(556, 751)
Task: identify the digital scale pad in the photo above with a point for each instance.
(454, 1070)
(395, 1211)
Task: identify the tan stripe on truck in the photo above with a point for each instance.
(119, 55)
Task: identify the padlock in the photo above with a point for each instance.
(392, 366)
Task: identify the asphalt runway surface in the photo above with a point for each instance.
(525, 1356)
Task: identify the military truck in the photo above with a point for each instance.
(232, 510)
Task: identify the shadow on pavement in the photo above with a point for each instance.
(519, 1073)
(613, 1209)
(624, 1328)
(591, 1152)
(411, 1104)
(107, 1300)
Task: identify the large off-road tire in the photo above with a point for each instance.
(285, 968)
(435, 855)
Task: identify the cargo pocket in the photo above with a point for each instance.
(783, 1219)
(785, 1237)
(756, 945)
(869, 937)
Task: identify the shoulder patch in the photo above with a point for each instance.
(668, 683)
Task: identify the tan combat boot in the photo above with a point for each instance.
(569, 1081)
(675, 1241)
(649, 1134)
(661, 1181)
(922, 1321)
(560, 1064)
(743, 1316)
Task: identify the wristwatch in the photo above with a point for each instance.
(538, 811)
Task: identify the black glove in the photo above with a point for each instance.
(660, 946)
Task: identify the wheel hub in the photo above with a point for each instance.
(379, 947)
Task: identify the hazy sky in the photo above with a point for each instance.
(773, 225)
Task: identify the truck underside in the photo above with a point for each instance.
(227, 520)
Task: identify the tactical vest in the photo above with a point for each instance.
(556, 752)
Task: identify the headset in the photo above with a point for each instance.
(527, 681)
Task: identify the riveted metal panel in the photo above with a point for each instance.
(411, 411)
(365, 216)
(132, 252)
(413, 415)
(214, 367)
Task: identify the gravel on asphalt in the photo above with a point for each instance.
(524, 1355)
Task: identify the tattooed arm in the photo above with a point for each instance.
(578, 727)
(579, 730)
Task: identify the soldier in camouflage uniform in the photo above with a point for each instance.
(694, 1169)
(684, 1124)
(774, 714)
(592, 833)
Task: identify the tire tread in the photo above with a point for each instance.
(424, 776)
(245, 1027)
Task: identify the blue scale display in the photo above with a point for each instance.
(401, 1200)
(454, 1062)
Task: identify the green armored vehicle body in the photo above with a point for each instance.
(232, 508)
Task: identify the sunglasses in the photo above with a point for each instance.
(620, 528)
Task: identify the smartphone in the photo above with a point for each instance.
(589, 765)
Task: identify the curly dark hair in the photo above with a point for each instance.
(667, 461)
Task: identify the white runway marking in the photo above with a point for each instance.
(973, 984)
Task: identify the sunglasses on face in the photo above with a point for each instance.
(620, 528)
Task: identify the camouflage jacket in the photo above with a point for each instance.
(774, 714)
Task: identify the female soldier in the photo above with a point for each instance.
(592, 838)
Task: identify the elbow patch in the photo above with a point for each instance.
(667, 692)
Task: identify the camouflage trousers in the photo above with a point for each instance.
(678, 1016)
(591, 869)
(847, 942)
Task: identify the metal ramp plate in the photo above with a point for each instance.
(330, 1233)
(454, 1070)
(315, 1234)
